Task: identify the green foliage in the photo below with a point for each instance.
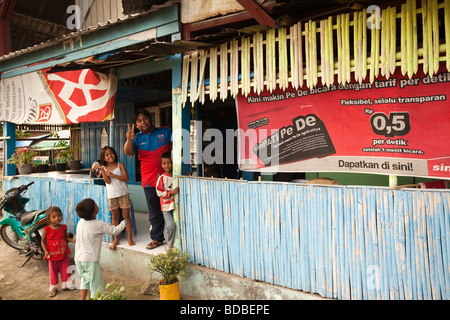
(171, 265)
(65, 153)
(20, 134)
(112, 291)
(22, 157)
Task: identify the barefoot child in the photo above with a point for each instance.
(115, 176)
(55, 244)
(165, 192)
(89, 244)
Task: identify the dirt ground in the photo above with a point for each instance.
(32, 281)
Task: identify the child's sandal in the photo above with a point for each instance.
(52, 293)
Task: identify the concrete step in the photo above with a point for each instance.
(202, 283)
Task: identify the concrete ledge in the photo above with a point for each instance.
(210, 284)
(202, 283)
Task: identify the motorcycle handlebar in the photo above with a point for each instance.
(22, 188)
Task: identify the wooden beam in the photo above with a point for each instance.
(7, 8)
(5, 37)
(258, 13)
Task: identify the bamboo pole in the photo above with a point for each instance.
(234, 68)
(372, 55)
(364, 44)
(347, 47)
(425, 40)
(213, 74)
(201, 80)
(282, 59)
(414, 40)
(435, 23)
(409, 44)
(194, 73)
(377, 52)
(356, 58)
(270, 60)
(323, 53)
(258, 60)
(308, 54)
(384, 43)
(339, 47)
(330, 51)
(293, 55)
(403, 41)
(301, 71)
(245, 65)
(447, 32)
(393, 40)
(185, 79)
(313, 46)
(223, 71)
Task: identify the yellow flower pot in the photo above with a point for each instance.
(169, 291)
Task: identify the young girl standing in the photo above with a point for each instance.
(55, 244)
(115, 176)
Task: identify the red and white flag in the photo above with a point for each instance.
(58, 98)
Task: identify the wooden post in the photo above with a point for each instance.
(181, 146)
(9, 147)
(392, 181)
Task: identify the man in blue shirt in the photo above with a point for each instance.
(149, 144)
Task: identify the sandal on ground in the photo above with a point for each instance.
(52, 293)
(153, 245)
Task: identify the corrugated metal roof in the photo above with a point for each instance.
(88, 30)
(157, 49)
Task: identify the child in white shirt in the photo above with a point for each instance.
(165, 192)
(88, 245)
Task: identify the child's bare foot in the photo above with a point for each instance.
(113, 245)
(131, 242)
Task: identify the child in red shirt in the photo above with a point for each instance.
(55, 244)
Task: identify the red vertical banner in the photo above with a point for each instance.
(395, 126)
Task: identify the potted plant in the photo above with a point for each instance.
(23, 159)
(66, 155)
(171, 265)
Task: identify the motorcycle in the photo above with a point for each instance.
(19, 228)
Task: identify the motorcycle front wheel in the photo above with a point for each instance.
(10, 237)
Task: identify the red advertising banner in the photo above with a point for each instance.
(395, 126)
(58, 98)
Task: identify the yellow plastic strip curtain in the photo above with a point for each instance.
(358, 46)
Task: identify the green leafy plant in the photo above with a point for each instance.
(65, 153)
(112, 291)
(171, 265)
(22, 157)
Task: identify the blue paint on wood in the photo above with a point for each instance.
(46, 192)
(343, 242)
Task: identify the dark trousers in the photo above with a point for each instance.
(155, 215)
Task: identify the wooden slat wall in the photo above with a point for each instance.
(344, 242)
(46, 192)
(306, 52)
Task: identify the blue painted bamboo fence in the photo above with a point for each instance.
(46, 192)
(344, 242)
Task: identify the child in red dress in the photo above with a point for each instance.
(55, 244)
